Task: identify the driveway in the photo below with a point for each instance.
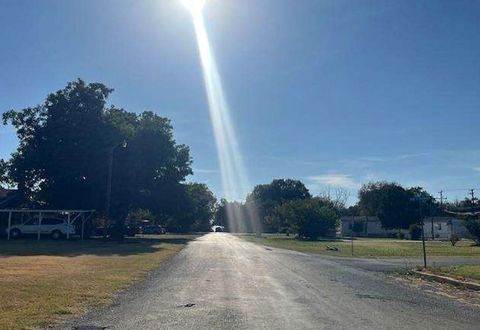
(220, 281)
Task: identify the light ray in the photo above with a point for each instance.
(234, 178)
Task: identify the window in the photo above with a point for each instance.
(51, 221)
(32, 222)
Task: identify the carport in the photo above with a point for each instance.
(72, 216)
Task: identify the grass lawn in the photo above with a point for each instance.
(369, 247)
(43, 280)
(465, 272)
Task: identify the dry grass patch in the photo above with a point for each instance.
(461, 272)
(41, 281)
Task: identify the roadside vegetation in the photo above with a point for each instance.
(286, 206)
(463, 272)
(42, 281)
(368, 247)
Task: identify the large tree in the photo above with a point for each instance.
(266, 197)
(201, 202)
(395, 206)
(308, 218)
(62, 155)
(148, 172)
(66, 145)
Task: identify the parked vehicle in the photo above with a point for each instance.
(55, 227)
(128, 230)
(152, 230)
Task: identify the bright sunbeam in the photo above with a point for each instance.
(194, 6)
(234, 179)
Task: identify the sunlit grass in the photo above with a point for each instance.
(41, 281)
(467, 272)
(369, 247)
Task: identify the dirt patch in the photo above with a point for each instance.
(464, 296)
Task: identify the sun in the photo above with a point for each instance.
(194, 6)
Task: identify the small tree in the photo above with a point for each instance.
(393, 204)
(415, 231)
(473, 227)
(266, 197)
(308, 218)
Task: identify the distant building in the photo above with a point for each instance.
(444, 228)
(365, 226)
(441, 228)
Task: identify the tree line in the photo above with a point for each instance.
(286, 206)
(76, 151)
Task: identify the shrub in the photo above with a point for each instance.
(454, 239)
(415, 232)
(308, 218)
(473, 227)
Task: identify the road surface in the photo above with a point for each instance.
(220, 281)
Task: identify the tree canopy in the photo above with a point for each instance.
(66, 144)
(308, 218)
(266, 197)
(395, 206)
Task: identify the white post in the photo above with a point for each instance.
(83, 223)
(68, 226)
(9, 224)
(39, 224)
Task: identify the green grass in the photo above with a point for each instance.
(470, 272)
(369, 247)
(42, 281)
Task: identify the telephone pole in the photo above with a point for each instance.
(420, 200)
(472, 193)
(441, 199)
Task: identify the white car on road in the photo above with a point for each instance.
(54, 227)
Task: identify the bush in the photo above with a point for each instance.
(308, 218)
(358, 227)
(415, 232)
(454, 239)
(473, 227)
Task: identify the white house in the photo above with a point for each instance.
(365, 226)
(444, 228)
(441, 228)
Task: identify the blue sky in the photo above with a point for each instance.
(335, 93)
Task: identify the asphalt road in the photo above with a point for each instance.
(220, 281)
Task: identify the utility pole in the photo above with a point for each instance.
(431, 220)
(441, 199)
(420, 200)
(472, 193)
(441, 208)
(109, 192)
(423, 236)
(109, 185)
(351, 232)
